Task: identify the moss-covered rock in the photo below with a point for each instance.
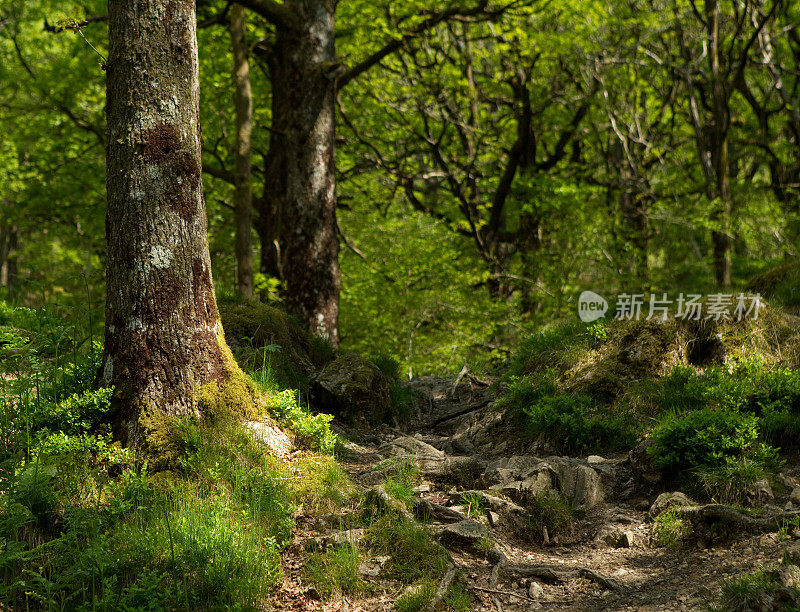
(264, 337)
(780, 285)
(354, 389)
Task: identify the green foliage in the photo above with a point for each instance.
(400, 485)
(706, 438)
(415, 554)
(551, 511)
(474, 504)
(732, 482)
(754, 592)
(335, 572)
(313, 430)
(670, 529)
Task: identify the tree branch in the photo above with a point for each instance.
(434, 19)
(277, 14)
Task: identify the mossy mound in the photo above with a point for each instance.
(600, 387)
(780, 285)
(354, 389)
(265, 338)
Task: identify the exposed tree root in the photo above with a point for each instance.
(559, 574)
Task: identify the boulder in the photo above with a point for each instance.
(614, 536)
(789, 576)
(794, 496)
(354, 389)
(641, 463)
(271, 436)
(523, 477)
(665, 501)
(430, 460)
(464, 534)
(760, 494)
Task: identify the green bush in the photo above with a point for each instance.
(705, 438)
(577, 423)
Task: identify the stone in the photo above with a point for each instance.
(613, 536)
(760, 493)
(271, 436)
(641, 463)
(535, 590)
(794, 496)
(665, 501)
(789, 576)
(465, 534)
(430, 460)
(595, 459)
(373, 566)
(354, 389)
(522, 477)
(347, 536)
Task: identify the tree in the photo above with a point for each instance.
(163, 337)
(243, 189)
(305, 74)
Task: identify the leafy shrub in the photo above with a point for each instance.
(576, 423)
(312, 430)
(704, 438)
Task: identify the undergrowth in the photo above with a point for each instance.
(84, 523)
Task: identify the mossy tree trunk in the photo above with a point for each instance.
(163, 338)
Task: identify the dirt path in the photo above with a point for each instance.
(449, 450)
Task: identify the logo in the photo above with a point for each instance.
(591, 306)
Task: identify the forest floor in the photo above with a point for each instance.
(640, 575)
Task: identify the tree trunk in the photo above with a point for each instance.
(301, 164)
(719, 150)
(163, 339)
(243, 187)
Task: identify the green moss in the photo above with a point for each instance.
(292, 354)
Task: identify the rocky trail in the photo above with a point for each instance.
(478, 477)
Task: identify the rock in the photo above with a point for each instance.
(665, 501)
(431, 460)
(348, 536)
(504, 514)
(535, 590)
(595, 459)
(794, 496)
(789, 576)
(791, 552)
(271, 436)
(522, 477)
(353, 388)
(494, 519)
(373, 566)
(614, 536)
(465, 534)
(641, 463)
(423, 488)
(760, 494)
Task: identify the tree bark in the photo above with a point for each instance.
(163, 337)
(719, 149)
(301, 165)
(243, 186)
